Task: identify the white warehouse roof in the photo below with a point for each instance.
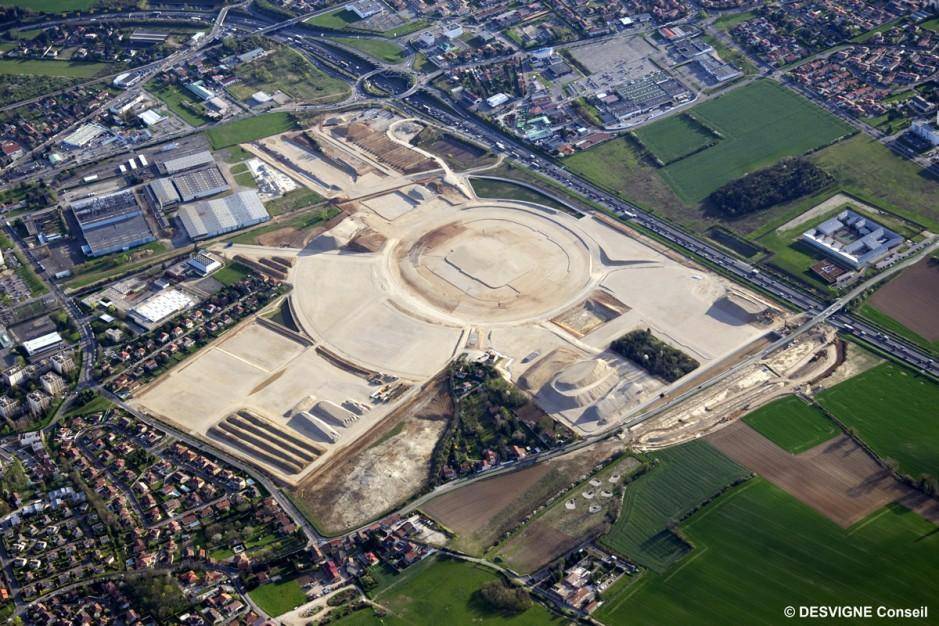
(222, 215)
(159, 307)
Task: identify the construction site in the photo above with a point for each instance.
(416, 271)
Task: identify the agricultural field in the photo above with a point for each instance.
(760, 124)
(792, 424)
(894, 411)
(444, 591)
(481, 512)
(50, 6)
(381, 49)
(249, 129)
(675, 137)
(758, 550)
(67, 69)
(907, 304)
(683, 478)
(288, 71)
(583, 512)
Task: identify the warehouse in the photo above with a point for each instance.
(200, 184)
(188, 162)
(155, 309)
(223, 215)
(163, 192)
(111, 223)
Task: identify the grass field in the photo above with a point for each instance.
(337, 20)
(684, 477)
(249, 129)
(306, 219)
(174, 97)
(290, 72)
(759, 550)
(674, 137)
(278, 598)
(498, 189)
(761, 123)
(792, 424)
(68, 69)
(894, 411)
(299, 198)
(869, 170)
(50, 6)
(231, 274)
(443, 591)
(381, 49)
(113, 264)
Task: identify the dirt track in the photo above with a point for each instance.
(836, 478)
(912, 298)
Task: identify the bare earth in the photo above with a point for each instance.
(912, 298)
(386, 468)
(481, 512)
(836, 478)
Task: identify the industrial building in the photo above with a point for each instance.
(204, 264)
(111, 223)
(187, 162)
(209, 218)
(82, 136)
(852, 239)
(157, 308)
(42, 345)
(163, 192)
(200, 184)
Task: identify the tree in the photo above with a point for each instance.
(505, 598)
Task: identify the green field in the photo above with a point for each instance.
(674, 137)
(683, 478)
(173, 97)
(507, 191)
(231, 274)
(67, 69)
(761, 123)
(869, 170)
(443, 591)
(290, 72)
(302, 221)
(249, 129)
(792, 424)
(50, 6)
(299, 198)
(278, 598)
(381, 49)
(336, 20)
(759, 550)
(894, 411)
(727, 22)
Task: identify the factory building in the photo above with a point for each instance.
(187, 162)
(111, 223)
(199, 184)
(223, 215)
(852, 239)
(160, 307)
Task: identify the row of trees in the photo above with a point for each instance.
(787, 180)
(655, 356)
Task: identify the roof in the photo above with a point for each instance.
(84, 134)
(211, 217)
(162, 305)
(164, 191)
(151, 117)
(200, 184)
(41, 343)
(111, 222)
(188, 162)
(118, 235)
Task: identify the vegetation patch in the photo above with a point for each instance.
(792, 424)
(381, 49)
(676, 137)
(894, 411)
(278, 598)
(654, 355)
(231, 274)
(290, 72)
(44, 67)
(759, 550)
(785, 181)
(485, 188)
(180, 102)
(683, 479)
(249, 129)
